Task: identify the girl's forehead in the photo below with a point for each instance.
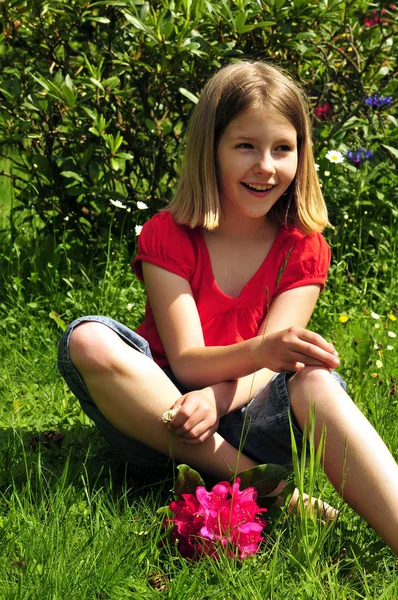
(260, 117)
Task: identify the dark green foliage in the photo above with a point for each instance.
(95, 99)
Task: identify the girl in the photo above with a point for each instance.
(233, 268)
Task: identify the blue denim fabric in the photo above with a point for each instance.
(263, 423)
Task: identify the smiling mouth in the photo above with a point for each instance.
(258, 188)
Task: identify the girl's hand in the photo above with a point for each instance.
(295, 348)
(197, 418)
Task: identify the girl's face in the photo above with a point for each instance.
(256, 162)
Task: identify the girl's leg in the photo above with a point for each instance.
(132, 392)
(357, 462)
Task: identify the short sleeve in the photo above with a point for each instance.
(306, 262)
(165, 244)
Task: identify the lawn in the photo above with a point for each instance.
(74, 523)
(94, 104)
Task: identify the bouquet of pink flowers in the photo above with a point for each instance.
(226, 517)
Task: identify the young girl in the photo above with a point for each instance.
(233, 268)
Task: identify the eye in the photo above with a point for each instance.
(245, 145)
(284, 148)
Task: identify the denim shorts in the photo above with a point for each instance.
(261, 428)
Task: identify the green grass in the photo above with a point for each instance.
(75, 525)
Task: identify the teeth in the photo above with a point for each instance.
(259, 188)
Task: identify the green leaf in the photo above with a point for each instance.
(72, 175)
(363, 346)
(28, 105)
(264, 478)
(139, 25)
(187, 481)
(167, 29)
(383, 71)
(97, 83)
(394, 151)
(69, 96)
(261, 24)
(240, 21)
(305, 35)
(111, 82)
(188, 95)
(69, 82)
(144, 11)
(164, 511)
(125, 155)
(45, 84)
(115, 164)
(104, 20)
(94, 171)
(151, 125)
(91, 113)
(55, 316)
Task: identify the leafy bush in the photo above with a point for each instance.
(95, 98)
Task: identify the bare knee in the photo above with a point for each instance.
(311, 377)
(311, 386)
(316, 386)
(91, 346)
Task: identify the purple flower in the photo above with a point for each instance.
(359, 156)
(376, 101)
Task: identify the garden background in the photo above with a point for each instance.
(94, 102)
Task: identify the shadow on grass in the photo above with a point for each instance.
(77, 454)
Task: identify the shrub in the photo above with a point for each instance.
(95, 99)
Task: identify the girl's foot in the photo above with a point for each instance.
(312, 506)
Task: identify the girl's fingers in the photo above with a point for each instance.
(326, 360)
(203, 437)
(185, 412)
(190, 424)
(312, 357)
(314, 346)
(317, 340)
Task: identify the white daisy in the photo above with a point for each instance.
(374, 315)
(117, 203)
(334, 156)
(390, 347)
(379, 364)
(141, 205)
(391, 334)
(129, 306)
(169, 414)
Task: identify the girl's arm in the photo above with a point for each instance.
(285, 345)
(291, 309)
(201, 410)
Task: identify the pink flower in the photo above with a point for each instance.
(225, 517)
(373, 18)
(324, 111)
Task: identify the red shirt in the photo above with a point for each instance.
(295, 259)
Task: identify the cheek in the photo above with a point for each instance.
(293, 169)
(225, 168)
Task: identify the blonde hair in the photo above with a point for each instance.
(232, 90)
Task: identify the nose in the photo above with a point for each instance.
(265, 163)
